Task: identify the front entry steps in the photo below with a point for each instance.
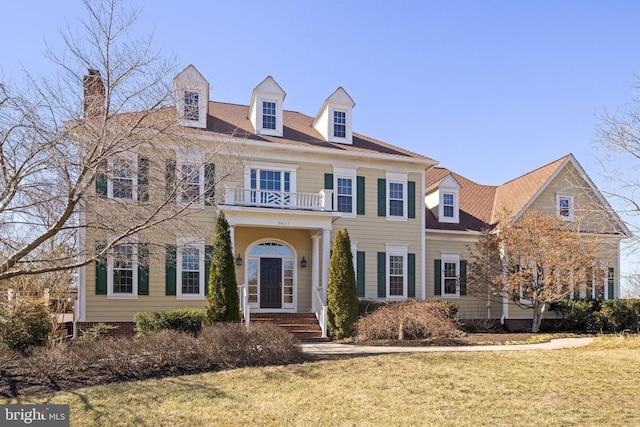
(303, 326)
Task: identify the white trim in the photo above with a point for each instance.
(284, 306)
(401, 250)
(195, 159)
(132, 157)
(345, 173)
(455, 219)
(570, 208)
(449, 258)
(397, 178)
(422, 210)
(133, 242)
(188, 242)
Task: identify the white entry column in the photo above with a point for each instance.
(326, 254)
(315, 261)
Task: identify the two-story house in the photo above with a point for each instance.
(287, 182)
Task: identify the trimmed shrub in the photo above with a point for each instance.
(623, 314)
(97, 332)
(187, 320)
(408, 320)
(449, 308)
(224, 302)
(26, 325)
(342, 294)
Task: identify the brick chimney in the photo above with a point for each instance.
(93, 94)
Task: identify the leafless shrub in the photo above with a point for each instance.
(476, 325)
(409, 320)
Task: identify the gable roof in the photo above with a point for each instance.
(480, 205)
(232, 120)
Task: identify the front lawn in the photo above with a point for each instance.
(593, 385)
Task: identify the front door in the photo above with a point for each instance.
(270, 283)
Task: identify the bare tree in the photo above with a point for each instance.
(537, 260)
(89, 150)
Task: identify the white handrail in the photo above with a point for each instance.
(321, 311)
(243, 292)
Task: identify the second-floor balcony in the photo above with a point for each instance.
(321, 201)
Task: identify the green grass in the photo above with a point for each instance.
(594, 385)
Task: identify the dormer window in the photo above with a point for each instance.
(191, 106)
(265, 110)
(339, 124)
(192, 98)
(444, 200)
(268, 115)
(333, 121)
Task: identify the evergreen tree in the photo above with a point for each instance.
(342, 294)
(224, 303)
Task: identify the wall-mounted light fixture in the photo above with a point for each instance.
(239, 260)
(303, 262)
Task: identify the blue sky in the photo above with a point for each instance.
(491, 89)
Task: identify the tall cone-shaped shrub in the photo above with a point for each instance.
(224, 304)
(342, 295)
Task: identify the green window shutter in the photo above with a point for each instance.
(209, 183)
(360, 191)
(143, 269)
(170, 270)
(411, 199)
(208, 255)
(170, 178)
(328, 181)
(610, 283)
(360, 266)
(143, 179)
(437, 277)
(382, 197)
(411, 279)
(463, 277)
(101, 270)
(382, 274)
(101, 178)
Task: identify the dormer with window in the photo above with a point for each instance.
(265, 110)
(192, 98)
(445, 200)
(333, 121)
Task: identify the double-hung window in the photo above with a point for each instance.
(340, 124)
(344, 195)
(123, 178)
(396, 199)
(448, 205)
(190, 274)
(397, 272)
(190, 183)
(268, 115)
(122, 273)
(191, 106)
(450, 275)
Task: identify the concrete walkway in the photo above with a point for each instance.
(319, 349)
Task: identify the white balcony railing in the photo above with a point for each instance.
(279, 199)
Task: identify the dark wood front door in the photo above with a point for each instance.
(270, 283)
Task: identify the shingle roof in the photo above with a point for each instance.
(481, 204)
(476, 202)
(233, 120)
